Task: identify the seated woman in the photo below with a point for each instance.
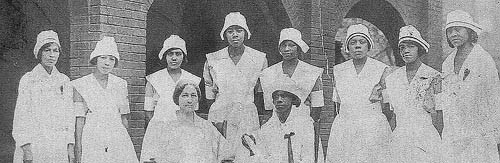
(188, 138)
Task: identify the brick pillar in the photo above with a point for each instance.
(125, 20)
(435, 33)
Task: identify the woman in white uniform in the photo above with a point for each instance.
(160, 87)
(360, 132)
(306, 78)
(189, 138)
(231, 78)
(470, 99)
(409, 92)
(102, 108)
(43, 119)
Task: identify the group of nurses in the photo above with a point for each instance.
(466, 96)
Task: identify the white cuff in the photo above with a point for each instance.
(80, 109)
(317, 99)
(149, 104)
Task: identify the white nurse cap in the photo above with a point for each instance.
(173, 41)
(357, 30)
(462, 19)
(294, 35)
(43, 38)
(235, 18)
(107, 46)
(411, 33)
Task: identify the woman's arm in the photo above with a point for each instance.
(125, 120)
(22, 131)
(150, 101)
(80, 112)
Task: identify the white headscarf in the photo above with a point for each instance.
(173, 41)
(462, 19)
(411, 33)
(294, 35)
(107, 46)
(358, 30)
(235, 18)
(43, 38)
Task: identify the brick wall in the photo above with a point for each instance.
(125, 20)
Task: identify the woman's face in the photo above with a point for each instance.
(282, 102)
(49, 55)
(235, 35)
(105, 63)
(174, 58)
(289, 50)
(188, 99)
(458, 36)
(358, 47)
(408, 51)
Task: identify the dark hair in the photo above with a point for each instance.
(93, 61)
(163, 61)
(367, 41)
(295, 99)
(45, 46)
(180, 87)
(421, 51)
(244, 37)
(473, 37)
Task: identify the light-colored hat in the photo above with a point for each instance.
(294, 35)
(173, 41)
(235, 18)
(357, 30)
(286, 85)
(107, 46)
(43, 38)
(462, 19)
(410, 33)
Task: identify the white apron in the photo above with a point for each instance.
(104, 138)
(304, 76)
(415, 138)
(360, 133)
(165, 108)
(471, 116)
(44, 116)
(235, 92)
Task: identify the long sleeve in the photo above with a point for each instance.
(123, 103)
(22, 129)
(258, 86)
(151, 97)
(210, 86)
(70, 115)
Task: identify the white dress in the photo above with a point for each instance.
(415, 139)
(470, 102)
(360, 132)
(274, 148)
(232, 87)
(44, 116)
(104, 138)
(306, 77)
(182, 143)
(161, 103)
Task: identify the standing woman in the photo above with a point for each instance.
(43, 119)
(231, 76)
(470, 99)
(306, 79)
(102, 107)
(160, 87)
(409, 91)
(360, 132)
(187, 138)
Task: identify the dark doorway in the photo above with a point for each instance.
(383, 15)
(199, 22)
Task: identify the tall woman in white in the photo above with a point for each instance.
(410, 94)
(470, 98)
(360, 133)
(158, 104)
(231, 78)
(102, 109)
(43, 120)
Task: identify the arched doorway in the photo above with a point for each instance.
(199, 23)
(389, 21)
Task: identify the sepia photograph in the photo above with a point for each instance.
(250, 81)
